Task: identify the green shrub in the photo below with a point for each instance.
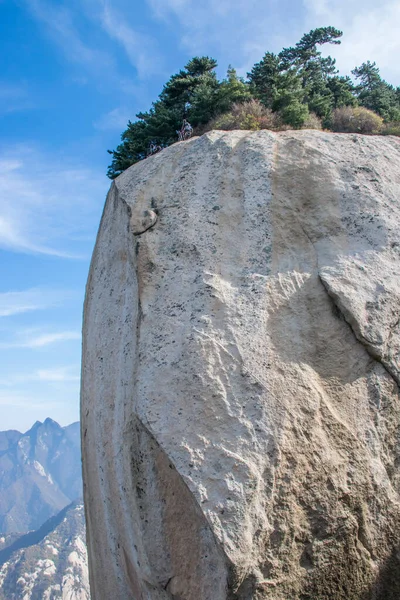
(348, 119)
(250, 115)
(251, 107)
(226, 122)
(249, 122)
(295, 114)
(312, 122)
(272, 121)
(391, 128)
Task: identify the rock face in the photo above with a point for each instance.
(240, 401)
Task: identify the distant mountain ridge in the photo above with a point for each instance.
(27, 540)
(40, 474)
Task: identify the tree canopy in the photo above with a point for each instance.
(375, 93)
(294, 83)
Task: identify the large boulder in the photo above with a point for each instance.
(240, 401)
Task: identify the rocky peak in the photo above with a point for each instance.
(40, 473)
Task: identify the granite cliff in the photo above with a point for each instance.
(240, 401)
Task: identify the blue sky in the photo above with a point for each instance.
(72, 74)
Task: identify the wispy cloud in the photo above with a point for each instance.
(211, 27)
(115, 119)
(34, 340)
(371, 30)
(140, 48)
(13, 98)
(23, 400)
(14, 303)
(58, 374)
(68, 25)
(51, 375)
(46, 204)
(61, 26)
(50, 338)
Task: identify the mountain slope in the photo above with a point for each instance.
(40, 474)
(48, 564)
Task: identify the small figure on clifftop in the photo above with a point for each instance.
(185, 132)
(153, 149)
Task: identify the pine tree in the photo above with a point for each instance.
(375, 93)
(293, 83)
(190, 94)
(264, 79)
(296, 80)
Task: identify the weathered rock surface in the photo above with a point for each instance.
(240, 401)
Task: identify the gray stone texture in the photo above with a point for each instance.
(240, 402)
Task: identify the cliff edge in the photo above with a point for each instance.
(240, 401)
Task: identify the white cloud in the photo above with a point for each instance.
(50, 338)
(13, 303)
(116, 119)
(371, 32)
(33, 339)
(47, 203)
(239, 34)
(13, 98)
(162, 8)
(64, 26)
(23, 400)
(51, 375)
(61, 27)
(140, 48)
(58, 374)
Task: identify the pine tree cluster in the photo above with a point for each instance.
(290, 89)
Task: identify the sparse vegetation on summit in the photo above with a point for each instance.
(297, 88)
